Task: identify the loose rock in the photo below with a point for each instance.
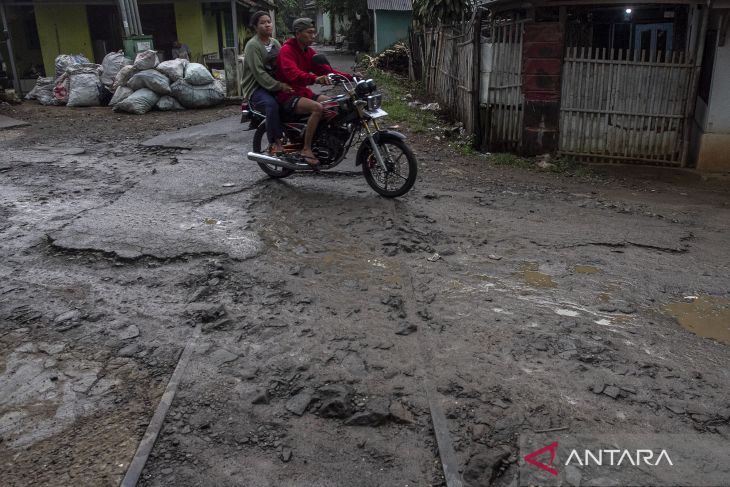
(299, 403)
(483, 467)
(260, 397)
(612, 391)
(406, 329)
(399, 413)
(129, 332)
(285, 455)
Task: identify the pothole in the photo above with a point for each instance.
(706, 316)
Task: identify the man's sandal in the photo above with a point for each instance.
(309, 159)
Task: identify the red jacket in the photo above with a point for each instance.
(294, 67)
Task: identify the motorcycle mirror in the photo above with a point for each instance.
(320, 59)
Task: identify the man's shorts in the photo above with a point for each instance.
(291, 105)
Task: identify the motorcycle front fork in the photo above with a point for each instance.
(376, 150)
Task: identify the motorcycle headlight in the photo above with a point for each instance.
(374, 101)
(362, 88)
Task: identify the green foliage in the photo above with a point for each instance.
(286, 10)
(565, 165)
(447, 11)
(394, 89)
(507, 159)
(344, 8)
(465, 146)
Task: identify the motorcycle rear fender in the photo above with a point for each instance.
(378, 136)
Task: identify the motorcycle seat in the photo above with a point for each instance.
(292, 117)
(285, 116)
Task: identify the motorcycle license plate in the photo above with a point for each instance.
(376, 113)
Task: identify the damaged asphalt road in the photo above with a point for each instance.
(334, 322)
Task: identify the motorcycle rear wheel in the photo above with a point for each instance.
(402, 168)
(259, 139)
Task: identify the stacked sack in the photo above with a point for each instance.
(170, 85)
(43, 92)
(78, 82)
(55, 91)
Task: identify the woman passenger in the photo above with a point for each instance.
(258, 82)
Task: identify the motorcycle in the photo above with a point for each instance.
(388, 164)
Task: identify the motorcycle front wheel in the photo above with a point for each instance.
(259, 139)
(401, 164)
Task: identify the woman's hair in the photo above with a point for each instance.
(255, 17)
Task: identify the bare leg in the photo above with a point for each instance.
(314, 109)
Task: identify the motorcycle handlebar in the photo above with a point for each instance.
(336, 79)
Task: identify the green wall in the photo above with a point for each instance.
(210, 33)
(62, 29)
(195, 28)
(391, 26)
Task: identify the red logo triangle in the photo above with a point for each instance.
(530, 458)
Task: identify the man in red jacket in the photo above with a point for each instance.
(295, 68)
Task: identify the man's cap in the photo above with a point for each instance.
(301, 24)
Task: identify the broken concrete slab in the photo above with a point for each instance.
(148, 221)
(11, 123)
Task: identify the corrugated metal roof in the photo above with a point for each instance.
(390, 5)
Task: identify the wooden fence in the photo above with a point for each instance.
(451, 71)
(504, 96)
(624, 105)
(616, 105)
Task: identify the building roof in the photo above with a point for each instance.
(404, 5)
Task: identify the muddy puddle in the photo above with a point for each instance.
(586, 269)
(529, 272)
(706, 316)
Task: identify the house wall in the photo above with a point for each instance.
(327, 24)
(62, 29)
(210, 33)
(390, 27)
(195, 28)
(713, 153)
(714, 145)
(718, 114)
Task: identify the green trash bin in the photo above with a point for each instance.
(136, 44)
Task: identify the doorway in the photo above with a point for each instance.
(158, 20)
(105, 28)
(653, 37)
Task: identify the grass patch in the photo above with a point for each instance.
(464, 146)
(395, 88)
(571, 166)
(511, 160)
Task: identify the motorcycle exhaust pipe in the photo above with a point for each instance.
(274, 161)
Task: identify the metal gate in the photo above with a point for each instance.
(625, 105)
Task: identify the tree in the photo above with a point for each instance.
(447, 11)
(286, 11)
(344, 8)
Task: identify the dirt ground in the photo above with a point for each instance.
(332, 320)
